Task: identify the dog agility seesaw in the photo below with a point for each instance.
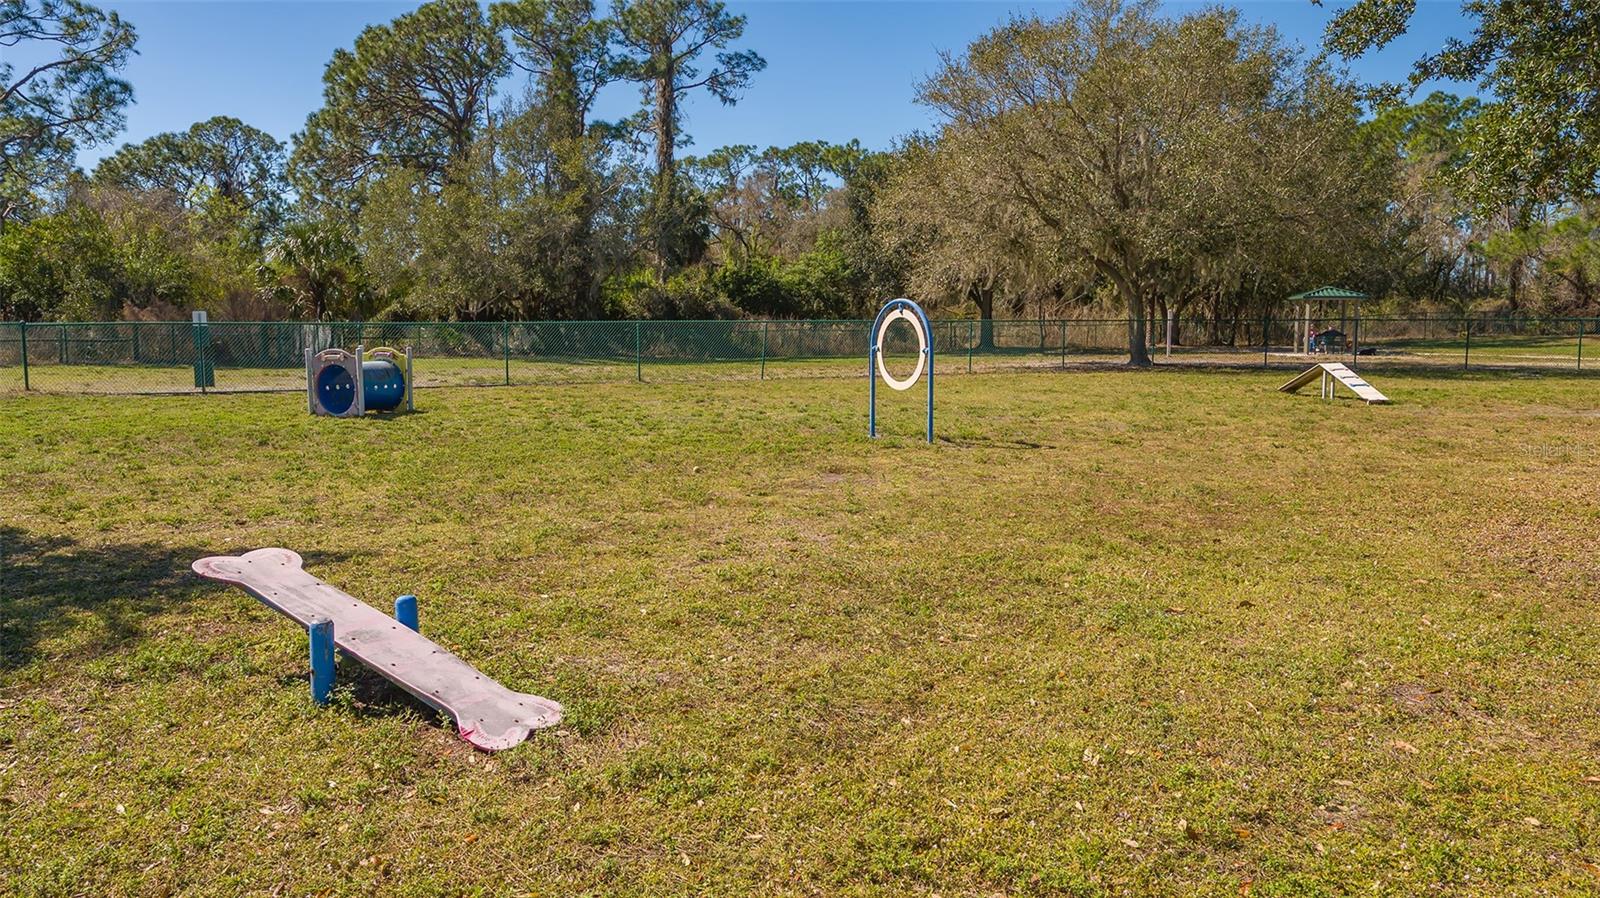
(487, 714)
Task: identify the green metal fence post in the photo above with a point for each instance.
(507, 330)
(763, 350)
(204, 368)
(1063, 342)
(971, 339)
(1355, 337)
(638, 362)
(23, 328)
(1580, 344)
(1466, 353)
(1266, 326)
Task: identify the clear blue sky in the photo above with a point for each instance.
(835, 70)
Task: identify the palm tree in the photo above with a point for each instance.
(315, 267)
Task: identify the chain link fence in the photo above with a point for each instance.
(226, 356)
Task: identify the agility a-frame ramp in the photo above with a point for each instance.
(1333, 373)
(487, 714)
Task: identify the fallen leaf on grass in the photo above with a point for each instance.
(1404, 746)
(1532, 821)
(1591, 780)
(1241, 832)
(1130, 843)
(1244, 886)
(1176, 609)
(1593, 869)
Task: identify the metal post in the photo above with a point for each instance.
(1171, 325)
(930, 384)
(1063, 342)
(1580, 344)
(638, 363)
(321, 659)
(204, 374)
(971, 339)
(1355, 337)
(1266, 325)
(23, 328)
(872, 385)
(311, 388)
(405, 611)
(763, 350)
(507, 330)
(1466, 354)
(361, 384)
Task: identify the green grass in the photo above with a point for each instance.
(1524, 349)
(1553, 354)
(1164, 633)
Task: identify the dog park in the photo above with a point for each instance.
(1169, 631)
(576, 449)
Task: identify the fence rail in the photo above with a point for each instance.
(224, 356)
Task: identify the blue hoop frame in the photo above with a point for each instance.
(873, 350)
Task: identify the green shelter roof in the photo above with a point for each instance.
(1335, 293)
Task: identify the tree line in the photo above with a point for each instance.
(1110, 159)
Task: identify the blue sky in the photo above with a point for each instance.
(835, 70)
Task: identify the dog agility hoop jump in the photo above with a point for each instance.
(898, 310)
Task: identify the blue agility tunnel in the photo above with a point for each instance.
(344, 384)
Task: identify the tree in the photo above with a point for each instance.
(663, 38)
(69, 98)
(313, 269)
(413, 93)
(1539, 59)
(1565, 250)
(959, 246)
(1431, 231)
(221, 158)
(109, 253)
(59, 266)
(568, 53)
(1141, 148)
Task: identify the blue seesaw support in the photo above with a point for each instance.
(321, 633)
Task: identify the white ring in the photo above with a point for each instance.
(922, 349)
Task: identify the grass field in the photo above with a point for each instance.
(1530, 353)
(1116, 633)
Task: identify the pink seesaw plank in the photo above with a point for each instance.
(487, 714)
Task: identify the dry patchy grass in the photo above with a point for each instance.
(1116, 633)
